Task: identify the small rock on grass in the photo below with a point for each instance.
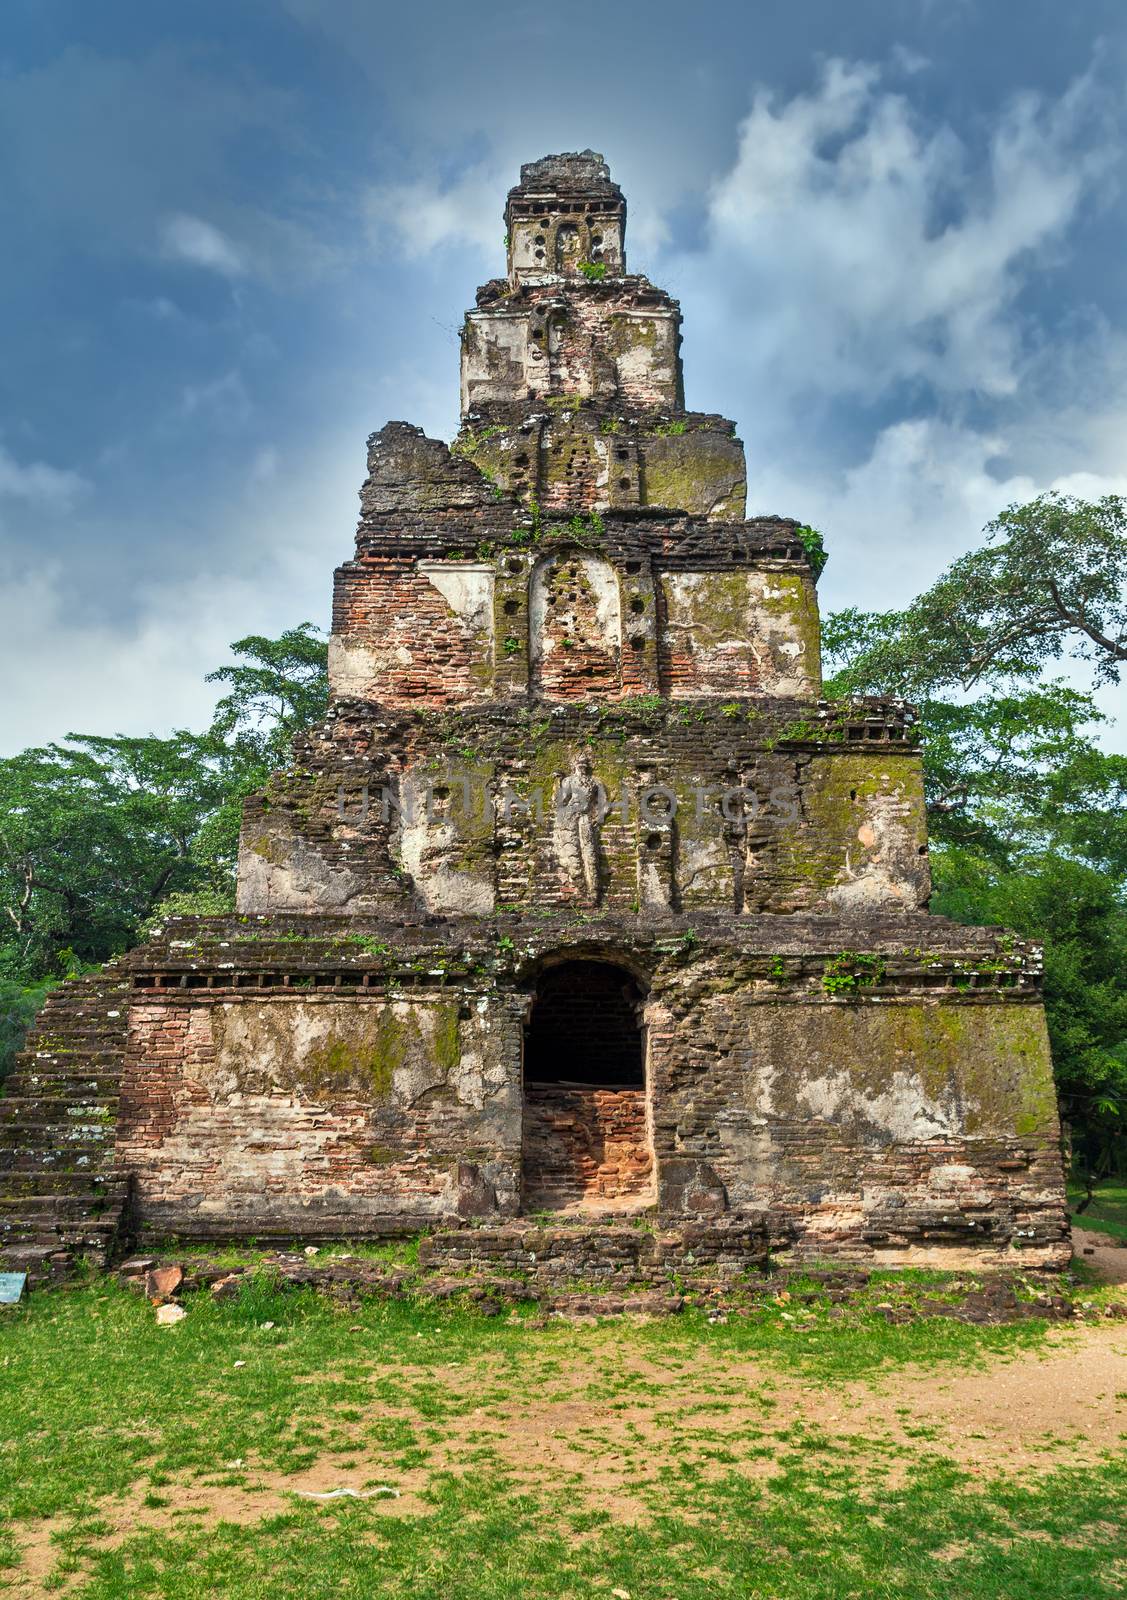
(161, 1283)
(168, 1314)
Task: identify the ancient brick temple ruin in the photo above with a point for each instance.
(583, 899)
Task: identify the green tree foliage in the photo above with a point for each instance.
(1051, 579)
(276, 688)
(97, 833)
(1028, 815)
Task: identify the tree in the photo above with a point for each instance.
(93, 834)
(1028, 815)
(279, 687)
(97, 833)
(1051, 578)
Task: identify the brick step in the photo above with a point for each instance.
(50, 1071)
(42, 1178)
(104, 1051)
(57, 1142)
(101, 1230)
(15, 1107)
(26, 1210)
(594, 1248)
(53, 1041)
(74, 1090)
(43, 1149)
(46, 1146)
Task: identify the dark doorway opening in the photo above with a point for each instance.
(586, 1124)
(584, 1027)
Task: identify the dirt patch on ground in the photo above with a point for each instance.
(1013, 1416)
(194, 1504)
(616, 1428)
(1107, 1257)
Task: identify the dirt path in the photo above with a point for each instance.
(1105, 1255)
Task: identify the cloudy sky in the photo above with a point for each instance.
(240, 234)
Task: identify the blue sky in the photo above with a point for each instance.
(240, 235)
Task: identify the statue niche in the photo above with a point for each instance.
(575, 623)
(580, 802)
(567, 247)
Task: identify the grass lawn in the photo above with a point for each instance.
(1108, 1210)
(794, 1453)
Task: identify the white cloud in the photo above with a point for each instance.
(224, 398)
(136, 663)
(36, 483)
(201, 244)
(425, 215)
(852, 247)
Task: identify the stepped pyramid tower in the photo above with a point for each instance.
(583, 900)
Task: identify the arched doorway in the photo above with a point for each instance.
(586, 1133)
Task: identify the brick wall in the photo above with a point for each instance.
(585, 1145)
(311, 1114)
(908, 1117)
(838, 803)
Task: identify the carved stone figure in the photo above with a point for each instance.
(578, 817)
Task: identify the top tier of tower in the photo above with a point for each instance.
(568, 322)
(564, 214)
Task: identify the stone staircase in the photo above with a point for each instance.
(60, 1195)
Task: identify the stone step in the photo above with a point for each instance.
(99, 1235)
(28, 1209)
(596, 1248)
(57, 1095)
(60, 1193)
(67, 1044)
(43, 1178)
(18, 1108)
(62, 1054)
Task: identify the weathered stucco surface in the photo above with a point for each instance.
(742, 632)
(284, 1113)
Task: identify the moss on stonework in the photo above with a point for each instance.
(700, 473)
(447, 1044)
(373, 1057)
(269, 850)
(384, 1156)
(797, 606)
(715, 606)
(840, 786)
(986, 1069)
(631, 333)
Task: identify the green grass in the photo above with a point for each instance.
(105, 1413)
(1107, 1212)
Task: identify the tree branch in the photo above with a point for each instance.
(1077, 619)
